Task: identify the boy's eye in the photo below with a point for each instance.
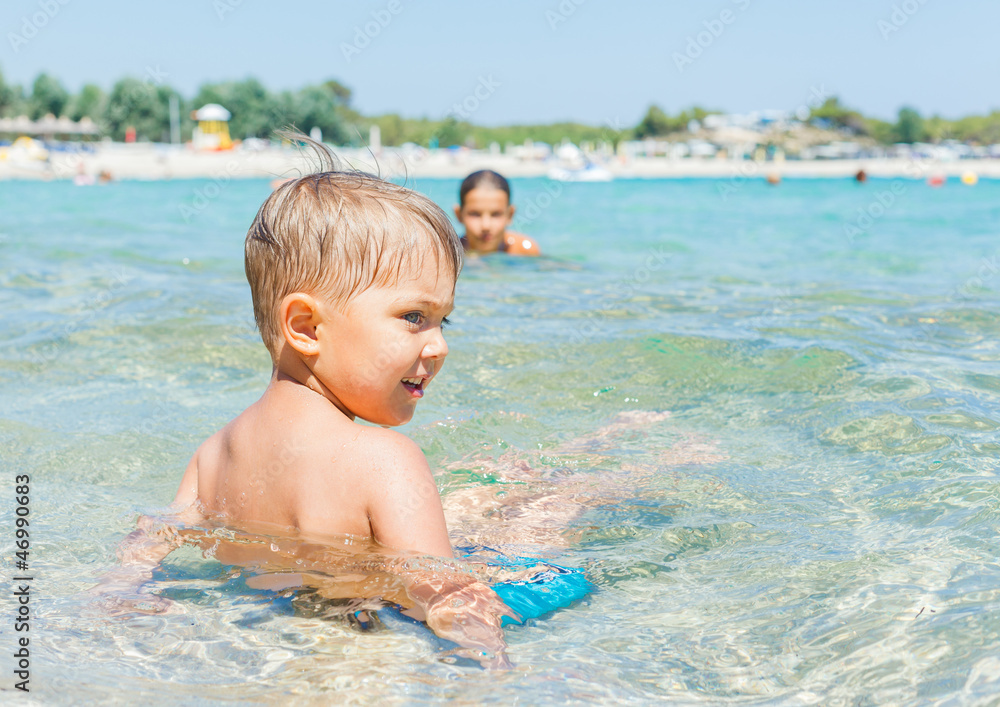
(413, 317)
(445, 322)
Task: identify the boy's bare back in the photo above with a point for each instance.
(294, 460)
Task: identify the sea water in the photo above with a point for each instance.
(814, 522)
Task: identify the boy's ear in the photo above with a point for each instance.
(510, 212)
(458, 213)
(298, 318)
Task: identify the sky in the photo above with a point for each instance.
(517, 61)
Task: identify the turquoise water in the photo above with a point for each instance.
(815, 522)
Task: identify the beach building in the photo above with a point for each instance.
(212, 131)
(840, 150)
(49, 127)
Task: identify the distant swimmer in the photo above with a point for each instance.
(485, 210)
(82, 179)
(861, 177)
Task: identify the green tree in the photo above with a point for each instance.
(10, 98)
(397, 130)
(841, 116)
(317, 107)
(882, 131)
(342, 92)
(694, 113)
(654, 124)
(89, 102)
(980, 129)
(47, 96)
(449, 132)
(392, 127)
(831, 110)
(420, 130)
(910, 126)
(937, 129)
(285, 112)
(139, 104)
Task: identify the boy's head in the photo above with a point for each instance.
(336, 234)
(485, 210)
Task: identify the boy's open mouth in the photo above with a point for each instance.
(415, 385)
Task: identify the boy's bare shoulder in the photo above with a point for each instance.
(335, 456)
(355, 476)
(199, 469)
(402, 503)
(387, 452)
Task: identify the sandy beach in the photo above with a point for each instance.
(154, 162)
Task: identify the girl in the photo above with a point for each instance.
(485, 210)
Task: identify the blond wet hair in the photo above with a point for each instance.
(337, 233)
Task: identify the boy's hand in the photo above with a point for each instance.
(120, 590)
(120, 593)
(470, 616)
(114, 604)
(466, 611)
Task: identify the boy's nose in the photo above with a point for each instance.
(436, 347)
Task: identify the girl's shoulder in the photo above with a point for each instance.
(520, 244)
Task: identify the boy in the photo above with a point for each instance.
(485, 210)
(352, 280)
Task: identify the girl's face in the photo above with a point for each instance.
(486, 214)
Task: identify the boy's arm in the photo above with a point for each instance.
(144, 548)
(405, 513)
(404, 507)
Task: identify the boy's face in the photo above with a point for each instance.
(486, 216)
(380, 350)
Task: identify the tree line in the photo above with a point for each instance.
(909, 126)
(144, 104)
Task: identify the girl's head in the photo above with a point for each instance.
(485, 210)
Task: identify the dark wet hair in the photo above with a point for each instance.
(483, 178)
